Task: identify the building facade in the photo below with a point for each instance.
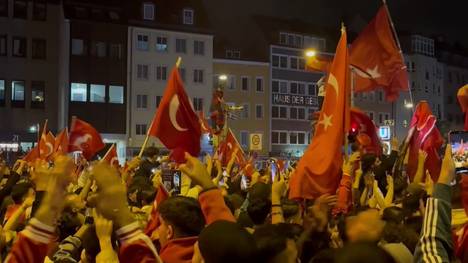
(32, 73)
(246, 85)
(293, 94)
(97, 91)
(154, 44)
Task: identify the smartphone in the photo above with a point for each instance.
(176, 181)
(244, 183)
(459, 142)
(274, 170)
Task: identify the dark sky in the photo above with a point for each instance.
(427, 17)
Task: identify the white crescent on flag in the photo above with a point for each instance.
(333, 82)
(81, 141)
(173, 108)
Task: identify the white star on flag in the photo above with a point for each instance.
(326, 121)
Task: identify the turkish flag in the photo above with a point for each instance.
(319, 63)
(205, 127)
(32, 155)
(46, 144)
(175, 122)
(462, 96)
(228, 147)
(61, 142)
(364, 125)
(423, 134)
(318, 171)
(84, 138)
(111, 157)
(377, 60)
(249, 167)
(153, 222)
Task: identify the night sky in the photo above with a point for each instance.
(445, 18)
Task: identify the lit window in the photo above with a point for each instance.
(37, 94)
(148, 11)
(97, 93)
(161, 44)
(142, 42)
(78, 47)
(17, 91)
(188, 16)
(116, 94)
(78, 92)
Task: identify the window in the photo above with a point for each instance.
(97, 93)
(293, 62)
(140, 129)
(301, 64)
(78, 47)
(310, 113)
(161, 72)
(283, 87)
(39, 10)
(188, 17)
(427, 75)
(116, 94)
(293, 113)
(301, 113)
(39, 48)
(161, 44)
(115, 51)
(275, 61)
(198, 104)
(3, 45)
(381, 118)
(17, 93)
(158, 101)
(275, 86)
(4, 7)
(142, 101)
(182, 73)
(142, 71)
(300, 138)
(244, 138)
(244, 83)
(245, 111)
(312, 89)
(259, 84)
(292, 138)
(371, 115)
(278, 137)
(148, 11)
(2, 92)
(199, 48)
(293, 88)
(259, 111)
(181, 45)
(235, 54)
(142, 42)
(283, 137)
(283, 62)
(98, 49)
(198, 75)
(78, 92)
(279, 112)
(283, 38)
(37, 94)
(20, 9)
(301, 88)
(231, 82)
(19, 47)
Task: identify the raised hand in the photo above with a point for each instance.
(195, 169)
(447, 171)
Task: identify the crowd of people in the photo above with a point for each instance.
(60, 211)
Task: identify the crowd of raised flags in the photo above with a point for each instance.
(353, 202)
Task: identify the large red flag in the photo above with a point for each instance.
(32, 155)
(175, 122)
(318, 171)
(111, 157)
(423, 134)
(228, 147)
(377, 60)
(364, 125)
(84, 138)
(46, 143)
(462, 96)
(61, 142)
(153, 222)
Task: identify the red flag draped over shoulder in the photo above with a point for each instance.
(377, 59)
(318, 170)
(176, 124)
(84, 138)
(462, 96)
(424, 135)
(364, 125)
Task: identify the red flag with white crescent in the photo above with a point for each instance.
(84, 138)
(111, 157)
(176, 124)
(61, 142)
(228, 147)
(46, 143)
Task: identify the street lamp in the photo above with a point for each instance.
(222, 77)
(408, 105)
(33, 129)
(311, 53)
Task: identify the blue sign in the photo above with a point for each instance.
(384, 133)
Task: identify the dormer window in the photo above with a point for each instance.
(148, 11)
(188, 16)
(234, 54)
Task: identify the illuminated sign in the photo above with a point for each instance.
(384, 132)
(297, 100)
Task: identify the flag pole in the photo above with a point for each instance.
(145, 142)
(395, 35)
(108, 150)
(348, 98)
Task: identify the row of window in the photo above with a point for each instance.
(291, 113)
(20, 9)
(98, 93)
(300, 41)
(290, 137)
(435, 90)
(293, 87)
(19, 47)
(288, 62)
(372, 96)
(99, 49)
(422, 45)
(17, 90)
(162, 44)
(246, 83)
(460, 78)
(149, 13)
(142, 102)
(382, 117)
(161, 73)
